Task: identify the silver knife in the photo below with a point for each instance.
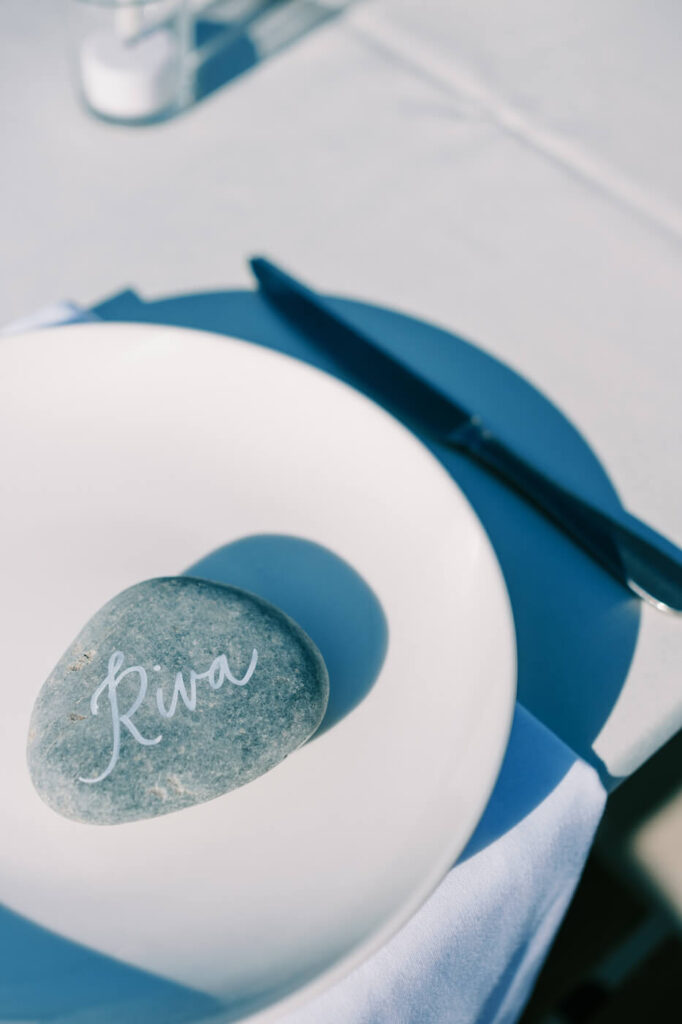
(644, 561)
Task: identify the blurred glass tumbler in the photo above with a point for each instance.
(130, 57)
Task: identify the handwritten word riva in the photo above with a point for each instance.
(218, 672)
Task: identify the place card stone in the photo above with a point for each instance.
(177, 691)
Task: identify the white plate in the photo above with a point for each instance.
(132, 451)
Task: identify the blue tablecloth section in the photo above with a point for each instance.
(470, 954)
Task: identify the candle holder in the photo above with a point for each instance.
(130, 58)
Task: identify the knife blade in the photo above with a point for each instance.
(638, 557)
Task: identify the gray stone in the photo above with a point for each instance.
(161, 703)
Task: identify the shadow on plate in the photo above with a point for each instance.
(576, 627)
(321, 592)
(44, 976)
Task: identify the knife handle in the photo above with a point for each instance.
(634, 553)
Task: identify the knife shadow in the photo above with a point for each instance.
(576, 627)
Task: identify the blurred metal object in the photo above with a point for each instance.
(130, 57)
(140, 61)
(233, 36)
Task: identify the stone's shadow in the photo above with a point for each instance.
(323, 594)
(576, 627)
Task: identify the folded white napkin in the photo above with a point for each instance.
(471, 954)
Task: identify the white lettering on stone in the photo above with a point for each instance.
(218, 672)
